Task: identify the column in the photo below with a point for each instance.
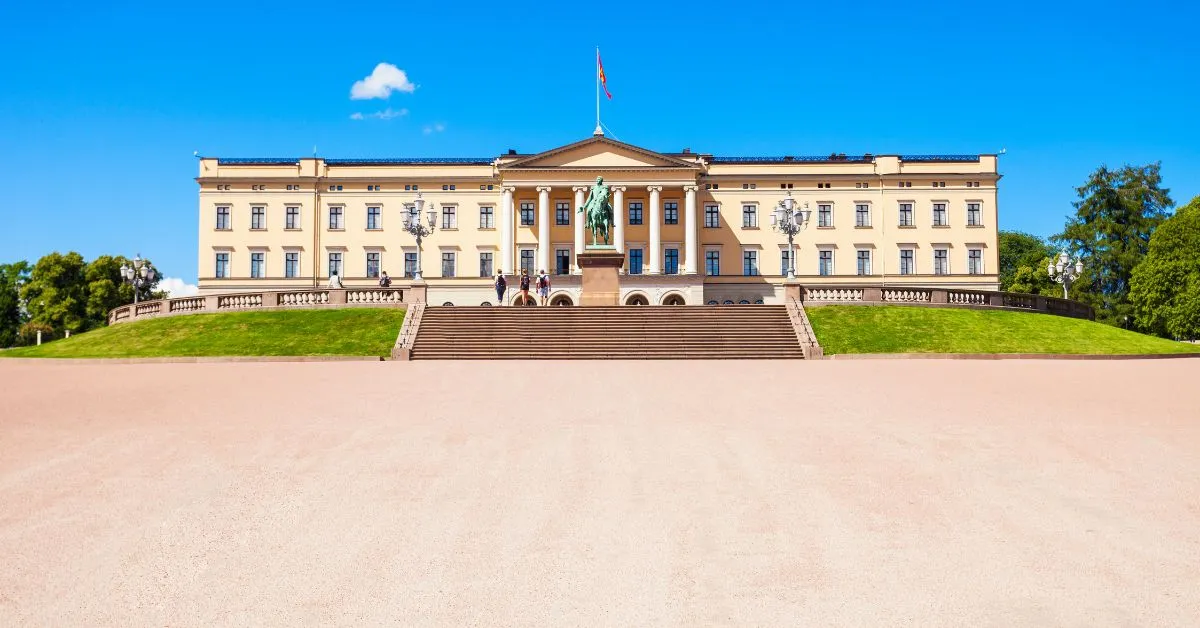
(579, 220)
(690, 259)
(506, 231)
(655, 229)
(619, 217)
(543, 218)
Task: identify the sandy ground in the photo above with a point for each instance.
(919, 493)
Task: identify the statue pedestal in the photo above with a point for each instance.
(601, 283)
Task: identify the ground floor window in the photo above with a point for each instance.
(906, 262)
(864, 262)
(825, 262)
(672, 262)
(975, 261)
(335, 264)
(373, 264)
(485, 264)
(256, 265)
(222, 270)
(712, 263)
(941, 262)
(291, 265)
(635, 261)
(410, 264)
(562, 261)
(448, 264)
(785, 262)
(749, 263)
(527, 262)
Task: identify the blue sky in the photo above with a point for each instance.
(101, 105)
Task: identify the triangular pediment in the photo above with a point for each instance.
(598, 153)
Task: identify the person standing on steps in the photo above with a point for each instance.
(543, 288)
(501, 287)
(524, 287)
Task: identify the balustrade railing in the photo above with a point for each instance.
(381, 297)
(304, 298)
(946, 297)
(186, 304)
(967, 298)
(375, 296)
(905, 295)
(834, 294)
(239, 301)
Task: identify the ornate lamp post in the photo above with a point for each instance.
(141, 275)
(419, 231)
(789, 219)
(1062, 271)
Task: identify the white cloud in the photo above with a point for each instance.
(356, 116)
(386, 114)
(434, 128)
(384, 79)
(176, 287)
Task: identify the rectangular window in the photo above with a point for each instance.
(335, 264)
(487, 218)
(256, 265)
(749, 263)
(223, 218)
(974, 216)
(906, 215)
(635, 261)
(526, 214)
(448, 264)
(258, 218)
(975, 261)
(825, 262)
(864, 262)
(672, 262)
(862, 215)
(527, 261)
(410, 264)
(562, 261)
(635, 213)
(906, 262)
(825, 215)
(670, 213)
(373, 217)
(335, 218)
(292, 217)
(785, 262)
(562, 214)
(712, 216)
(485, 264)
(373, 264)
(222, 265)
(449, 217)
(749, 216)
(291, 265)
(939, 215)
(712, 263)
(941, 262)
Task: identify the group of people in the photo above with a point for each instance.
(542, 283)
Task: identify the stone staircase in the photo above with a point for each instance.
(619, 332)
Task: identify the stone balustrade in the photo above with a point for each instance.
(271, 300)
(944, 297)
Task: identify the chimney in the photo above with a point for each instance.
(512, 151)
(687, 151)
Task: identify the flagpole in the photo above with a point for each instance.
(598, 130)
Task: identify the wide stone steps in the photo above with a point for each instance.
(623, 332)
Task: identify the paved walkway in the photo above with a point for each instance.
(923, 493)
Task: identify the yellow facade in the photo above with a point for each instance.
(875, 220)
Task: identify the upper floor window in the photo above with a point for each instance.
(864, 262)
(906, 214)
(862, 185)
(411, 187)
(749, 186)
(939, 184)
(712, 216)
(975, 261)
(562, 213)
(222, 269)
(749, 216)
(749, 263)
(712, 263)
(258, 218)
(291, 217)
(862, 215)
(670, 213)
(449, 217)
(223, 218)
(825, 262)
(824, 186)
(487, 220)
(374, 188)
(939, 215)
(526, 214)
(635, 213)
(941, 262)
(449, 187)
(824, 215)
(373, 217)
(335, 218)
(974, 215)
(335, 188)
(904, 184)
(906, 262)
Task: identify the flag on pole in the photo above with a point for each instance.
(600, 73)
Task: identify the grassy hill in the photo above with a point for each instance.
(351, 331)
(907, 329)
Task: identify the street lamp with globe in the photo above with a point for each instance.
(419, 231)
(790, 220)
(140, 275)
(1062, 271)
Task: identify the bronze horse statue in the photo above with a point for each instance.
(598, 212)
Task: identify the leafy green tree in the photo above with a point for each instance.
(1117, 213)
(1019, 249)
(106, 289)
(1165, 290)
(1032, 278)
(56, 293)
(12, 276)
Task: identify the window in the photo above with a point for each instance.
(291, 265)
(939, 215)
(635, 261)
(825, 262)
(904, 184)
(412, 187)
(975, 261)
(335, 217)
(485, 264)
(526, 214)
(712, 216)
(335, 264)
(635, 213)
(256, 265)
(448, 263)
(449, 217)
(862, 186)
(906, 215)
(335, 188)
(373, 217)
(373, 188)
(785, 262)
(258, 218)
(974, 216)
(862, 215)
(906, 262)
(939, 184)
(562, 261)
(670, 213)
(410, 264)
(223, 218)
(972, 184)
(485, 187)
(222, 265)
(864, 262)
(292, 217)
(785, 186)
(749, 263)
(749, 216)
(487, 218)
(449, 187)
(712, 263)
(824, 186)
(712, 186)
(825, 215)
(749, 186)
(941, 262)
(527, 261)
(672, 262)
(373, 263)
(562, 214)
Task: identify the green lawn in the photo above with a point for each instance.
(350, 331)
(907, 329)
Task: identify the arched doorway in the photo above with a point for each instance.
(637, 299)
(674, 298)
(530, 302)
(447, 304)
(561, 300)
(486, 304)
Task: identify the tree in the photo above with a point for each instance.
(1032, 278)
(105, 288)
(56, 293)
(1165, 290)
(12, 315)
(1019, 249)
(1117, 213)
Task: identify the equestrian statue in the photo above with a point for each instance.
(598, 212)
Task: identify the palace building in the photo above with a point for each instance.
(695, 228)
